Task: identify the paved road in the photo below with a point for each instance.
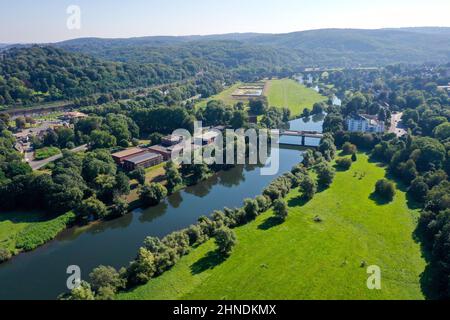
(36, 165)
(396, 125)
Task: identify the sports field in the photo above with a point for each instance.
(289, 93)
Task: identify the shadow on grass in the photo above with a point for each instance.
(379, 200)
(269, 223)
(431, 281)
(208, 262)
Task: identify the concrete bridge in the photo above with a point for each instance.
(301, 134)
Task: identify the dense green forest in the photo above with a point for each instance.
(324, 48)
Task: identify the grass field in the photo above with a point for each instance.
(303, 259)
(45, 153)
(289, 93)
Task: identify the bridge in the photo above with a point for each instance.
(301, 134)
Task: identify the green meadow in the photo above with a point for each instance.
(305, 259)
(290, 94)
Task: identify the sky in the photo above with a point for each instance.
(41, 21)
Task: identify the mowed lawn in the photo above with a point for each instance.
(290, 94)
(304, 259)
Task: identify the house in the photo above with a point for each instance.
(121, 156)
(144, 160)
(365, 123)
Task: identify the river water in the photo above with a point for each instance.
(41, 274)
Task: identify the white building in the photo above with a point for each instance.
(365, 123)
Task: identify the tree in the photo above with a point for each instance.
(122, 186)
(308, 187)
(419, 189)
(92, 207)
(239, 119)
(251, 209)
(349, 148)
(257, 106)
(138, 174)
(325, 174)
(152, 194)
(82, 292)
(281, 209)
(354, 157)
(102, 139)
(142, 269)
(344, 163)
(20, 123)
(225, 240)
(119, 207)
(173, 176)
(102, 277)
(385, 189)
(442, 132)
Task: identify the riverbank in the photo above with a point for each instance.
(305, 259)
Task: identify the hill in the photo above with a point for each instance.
(324, 47)
(304, 259)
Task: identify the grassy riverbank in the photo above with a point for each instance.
(303, 259)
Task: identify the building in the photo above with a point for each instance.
(167, 151)
(120, 157)
(73, 115)
(207, 138)
(144, 160)
(171, 140)
(365, 123)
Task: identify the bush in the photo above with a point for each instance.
(5, 255)
(152, 194)
(354, 157)
(349, 148)
(225, 240)
(45, 153)
(344, 163)
(385, 189)
(39, 233)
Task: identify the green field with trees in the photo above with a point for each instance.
(288, 93)
(320, 251)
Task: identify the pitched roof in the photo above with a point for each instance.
(143, 157)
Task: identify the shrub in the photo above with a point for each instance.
(385, 189)
(5, 255)
(142, 269)
(344, 163)
(354, 157)
(119, 207)
(349, 148)
(152, 194)
(225, 240)
(102, 277)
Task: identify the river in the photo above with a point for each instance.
(41, 274)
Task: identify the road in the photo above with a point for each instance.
(396, 125)
(36, 165)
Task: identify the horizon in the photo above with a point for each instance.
(221, 34)
(26, 21)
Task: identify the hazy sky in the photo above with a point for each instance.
(45, 20)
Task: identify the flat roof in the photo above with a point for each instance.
(127, 152)
(143, 157)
